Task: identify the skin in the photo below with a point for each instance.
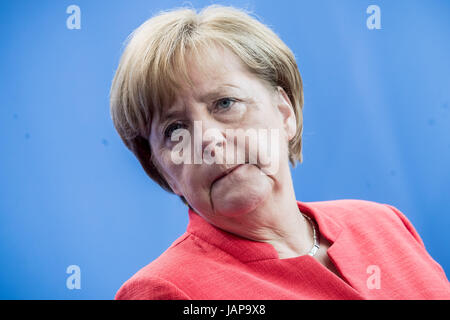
(247, 202)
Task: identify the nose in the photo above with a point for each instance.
(209, 140)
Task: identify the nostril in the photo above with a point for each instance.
(220, 143)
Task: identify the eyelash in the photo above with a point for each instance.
(168, 131)
(223, 99)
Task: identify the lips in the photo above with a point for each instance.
(226, 172)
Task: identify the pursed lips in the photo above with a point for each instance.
(225, 173)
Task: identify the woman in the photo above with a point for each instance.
(222, 88)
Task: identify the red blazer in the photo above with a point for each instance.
(373, 246)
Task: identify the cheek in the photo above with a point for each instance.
(266, 138)
(171, 170)
(183, 177)
(187, 178)
(193, 187)
(267, 148)
(183, 174)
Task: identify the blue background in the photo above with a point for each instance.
(376, 127)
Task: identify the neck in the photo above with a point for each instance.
(277, 221)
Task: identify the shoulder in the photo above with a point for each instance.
(150, 283)
(149, 288)
(163, 278)
(364, 216)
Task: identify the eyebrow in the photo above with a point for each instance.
(217, 91)
(169, 115)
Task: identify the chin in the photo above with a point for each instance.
(239, 203)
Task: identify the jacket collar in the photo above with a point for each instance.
(247, 250)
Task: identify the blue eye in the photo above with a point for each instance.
(225, 103)
(171, 128)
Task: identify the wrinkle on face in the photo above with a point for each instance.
(255, 110)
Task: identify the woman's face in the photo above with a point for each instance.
(220, 176)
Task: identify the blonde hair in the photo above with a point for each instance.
(153, 66)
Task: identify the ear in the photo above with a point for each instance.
(287, 113)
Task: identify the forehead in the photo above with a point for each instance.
(209, 72)
(213, 68)
(201, 75)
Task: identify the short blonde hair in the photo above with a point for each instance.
(153, 66)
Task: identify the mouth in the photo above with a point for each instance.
(226, 172)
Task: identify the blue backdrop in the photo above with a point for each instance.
(376, 127)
